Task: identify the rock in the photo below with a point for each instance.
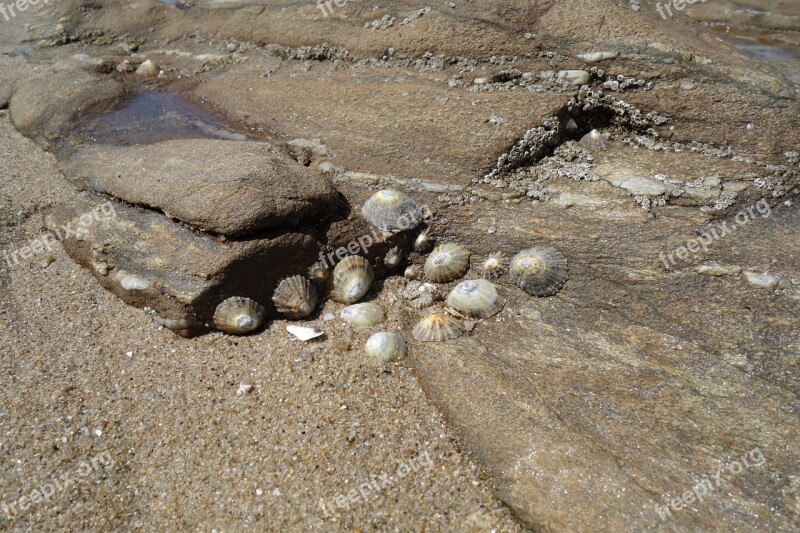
(225, 187)
(597, 408)
(149, 261)
(43, 107)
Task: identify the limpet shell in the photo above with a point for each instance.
(494, 266)
(386, 347)
(148, 68)
(303, 333)
(423, 301)
(366, 314)
(184, 327)
(239, 316)
(594, 141)
(539, 271)
(351, 280)
(475, 298)
(447, 262)
(438, 327)
(392, 210)
(393, 258)
(424, 242)
(129, 282)
(295, 297)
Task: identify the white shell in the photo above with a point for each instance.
(304, 334)
(476, 298)
(393, 258)
(386, 347)
(130, 282)
(366, 314)
(392, 211)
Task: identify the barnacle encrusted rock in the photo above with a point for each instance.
(226, 187)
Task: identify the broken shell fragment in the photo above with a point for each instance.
(424, 242)
(475, 299)
(366, 314)
(351, 280)
(438, 327)
(393, 258)
(304, 334)
(392, 211)
(295, 297)
(539, 271)
(447, 262)
(386, 347)
(239, 316)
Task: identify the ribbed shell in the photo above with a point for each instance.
(539, 271)
(295, 297)
(366, 315)
(438, 327)
(392, 210)
(423, 301)
(386, 347)
(447, 262)
(594, 141)
(351, 280)
(239, 316)
(494, 266)
(476, 298)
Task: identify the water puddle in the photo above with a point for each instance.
(776, 49)
(154, 117)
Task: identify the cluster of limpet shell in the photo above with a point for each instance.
(539, 271)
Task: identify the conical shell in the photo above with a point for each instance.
(424, 242)
(438, 327)
(475, 298)
(386, 347)
(594, 141)
(447, 262)
(295, 297)
(365, 315)
(423, 301)
(393, 258)
(351, 280)
(148, 68)
(494, 266)
(239, 316)
(539, 271)
(392, 210)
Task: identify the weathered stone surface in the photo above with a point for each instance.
(630, 386)
(225, 187)
(149, 261)
(43, 107)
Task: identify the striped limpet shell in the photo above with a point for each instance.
(539, 271)
(447, 262)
